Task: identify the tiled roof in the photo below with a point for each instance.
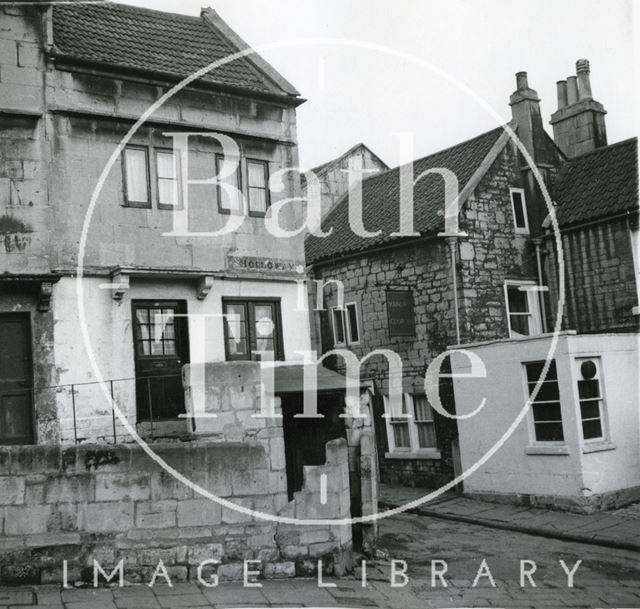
(598, 184)
(381, 196)
(149, 40)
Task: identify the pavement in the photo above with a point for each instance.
(614, 529)
(604, 577)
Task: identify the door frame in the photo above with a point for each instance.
(182, 337)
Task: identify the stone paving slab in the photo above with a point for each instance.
(612, 529)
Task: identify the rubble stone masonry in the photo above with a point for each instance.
(491, 254)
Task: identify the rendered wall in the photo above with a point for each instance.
(576, 474)
(109, 329)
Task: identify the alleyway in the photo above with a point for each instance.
(606, 577)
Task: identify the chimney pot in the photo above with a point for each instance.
(562, 93)
(584, 80)
(572, 90)
(521, 81)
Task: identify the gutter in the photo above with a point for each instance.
(166, 78)
(604, 220)
(374, 250)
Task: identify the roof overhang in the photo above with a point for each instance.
(290, 379)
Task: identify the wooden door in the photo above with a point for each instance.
(16, 380)
(161, 343)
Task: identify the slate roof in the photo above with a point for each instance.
(143, 39)
(381, 196)
(598, 184)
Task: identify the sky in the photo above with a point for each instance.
(441, 71)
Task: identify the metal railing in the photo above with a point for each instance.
(76, 401)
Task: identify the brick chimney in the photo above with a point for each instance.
(525, 110)
(578, 123)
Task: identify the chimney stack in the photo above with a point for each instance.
(578, 123)
(525, 110)
(584, 81)
(562, 93)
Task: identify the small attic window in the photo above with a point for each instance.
(519, 207)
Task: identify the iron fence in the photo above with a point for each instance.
(146, 393)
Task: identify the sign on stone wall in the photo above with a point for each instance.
(258, 264)
(400, 311)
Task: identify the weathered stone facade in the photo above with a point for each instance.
(491, 254)
(60, 122)
(95, 502)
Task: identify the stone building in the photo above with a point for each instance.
(420, 294)
(119, 289)
(578, 448)
(399, 291)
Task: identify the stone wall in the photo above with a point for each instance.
(58, 129)
(491, 254)
(600, 288)
(111, 503)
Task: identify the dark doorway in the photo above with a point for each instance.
(305, 439)
(16, 380)
(161, 343)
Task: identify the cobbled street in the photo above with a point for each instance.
(605, 578)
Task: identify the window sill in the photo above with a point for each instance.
(598, 447)
(547, 450)
(425, 454)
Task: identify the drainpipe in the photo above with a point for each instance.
(452, 240)
(537, 242)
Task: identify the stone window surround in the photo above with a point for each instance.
(414, 452)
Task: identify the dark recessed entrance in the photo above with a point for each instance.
(16, 380)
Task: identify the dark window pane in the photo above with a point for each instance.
(549, 432)
(426, 435)
(547, 412)
(590, 409)
(518, 209)
(549, 391)
(588, 389)
(401, 435)
(520, 324)
(518, 299)
(353, 323)
(338, 324)
(422, 408)
(534, 370)
(591, 429)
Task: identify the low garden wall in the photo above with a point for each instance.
(89, 503)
